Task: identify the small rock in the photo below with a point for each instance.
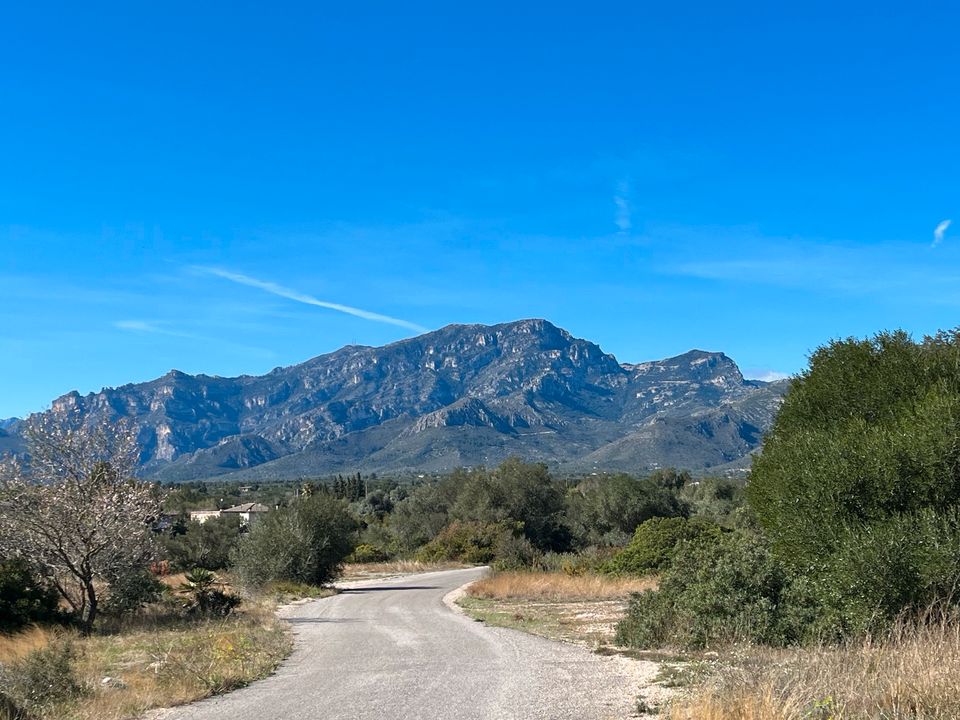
(113, 683)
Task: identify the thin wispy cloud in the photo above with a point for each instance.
(621, 201)
(297, 296)
(939, 231)
(145, 326)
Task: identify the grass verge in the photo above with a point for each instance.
(581, 609)
(909, 675)
(150, 662)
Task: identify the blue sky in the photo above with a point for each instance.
(179, 181)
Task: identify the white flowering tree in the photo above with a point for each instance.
(75, 510)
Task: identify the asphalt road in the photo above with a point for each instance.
(391, 649)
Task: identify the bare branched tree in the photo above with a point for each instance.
(75, 509)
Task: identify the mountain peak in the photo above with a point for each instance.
(462, 394)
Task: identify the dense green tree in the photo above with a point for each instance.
(859, 481)
(869, 431)
(605, 510)
(305, 542)
(419, 517)
(516, 492)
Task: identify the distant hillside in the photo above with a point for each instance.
(463, 395)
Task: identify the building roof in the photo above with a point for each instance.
(248, 508)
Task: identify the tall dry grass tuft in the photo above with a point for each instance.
(557, 586)
(17, 646)
(909, 675)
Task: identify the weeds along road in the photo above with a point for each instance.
(390, 648)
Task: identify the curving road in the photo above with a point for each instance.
(391, 649)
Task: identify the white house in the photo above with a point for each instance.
(201, 516)
(249, 512)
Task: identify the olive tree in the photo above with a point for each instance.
(74, 509)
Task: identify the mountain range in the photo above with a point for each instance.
(464, 395)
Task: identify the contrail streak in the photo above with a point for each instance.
(290, 294)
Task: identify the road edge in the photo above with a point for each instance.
(450, 599)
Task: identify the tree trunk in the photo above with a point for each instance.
(90, 611)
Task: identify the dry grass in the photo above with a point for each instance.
(557, 587)
(162, 664)
(581, 609)
(368, 571)
(910, 675)
(18, 646)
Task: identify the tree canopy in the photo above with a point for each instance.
(75, 510)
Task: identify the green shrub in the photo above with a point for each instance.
(858, 484)
(41, 678)
(131, 591)
(589, 560)
(515, 553)
(306, 542)
(605, 510)
(365, 553)
(655, 541)
(469, 542)
(901, 565)
(207, 544)
(717, 590)
(23, 599)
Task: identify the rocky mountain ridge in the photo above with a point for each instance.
(461, 395)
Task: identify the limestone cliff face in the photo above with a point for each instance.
(464, 394)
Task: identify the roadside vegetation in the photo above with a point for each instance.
(822, 587)
(835, 596)
(95, 622)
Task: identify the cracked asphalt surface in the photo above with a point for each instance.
(391, 648)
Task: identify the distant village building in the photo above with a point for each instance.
(201, 516)
(249, 513)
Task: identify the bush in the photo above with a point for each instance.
(41, 678)
(469, 542)
(205, 598)
(588, 561)
(515, 553)
(655, 541)
(306, 542)
(858, 484)
(898, 566)
(207, 544)
(718, 590)
(23, 599)
(365, 553)
(131, 591)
